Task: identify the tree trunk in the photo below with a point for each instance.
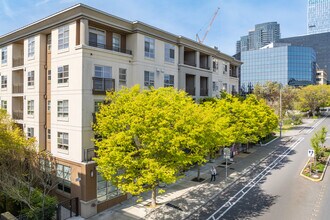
(198, 172)
(247, 147)
(153, 197)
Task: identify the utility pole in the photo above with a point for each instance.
(281, 124)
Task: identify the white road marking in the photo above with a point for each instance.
(233, 200)
(314, 126)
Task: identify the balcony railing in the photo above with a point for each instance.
(107, 47)
(102, 85)
(191, 91)
(205, 67)
(18, 62)
(18, 115)
(204, 92)
(18, 88)
(89, 154)
(189, 63)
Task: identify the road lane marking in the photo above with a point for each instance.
(316, 124)
(253, 182)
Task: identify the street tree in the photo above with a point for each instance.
(323, 135)
(146, 138)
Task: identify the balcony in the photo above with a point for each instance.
(88, 154)
(18, 62)
(107, 47)
(18, 88)
(18, 115)
(102, 85)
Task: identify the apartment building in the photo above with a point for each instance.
(321, 77)
(55, 71)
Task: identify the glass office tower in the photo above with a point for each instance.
(318, 15)
(288, 65)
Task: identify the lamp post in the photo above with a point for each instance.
(281, 110)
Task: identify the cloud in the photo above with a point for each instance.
(41, 2)
(7, 10)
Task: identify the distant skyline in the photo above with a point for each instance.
(180, 17)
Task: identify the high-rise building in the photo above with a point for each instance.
(319, 42)
(55, 71)
(318, 15)
(262, 35)
(288, 65)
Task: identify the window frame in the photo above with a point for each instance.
(168, 48)
(64, 71)
(30, 132)
(30, 107)
(49, 134)
(63, 108)
(4, 81)
(30, 78)
(64, 36)
(122, 81)
(97, 32)
(101, 76)
(149, 82)
(4, 54)
(149, 47)
(31, 47)
(62, 142)
(106, 189)
(63, 174)
(49, 105)
(168, 82)
(4, 104)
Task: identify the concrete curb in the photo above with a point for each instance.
(311, 179)
(270, 142)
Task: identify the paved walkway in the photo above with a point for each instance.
(185, 196)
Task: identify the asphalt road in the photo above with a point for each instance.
(274, 189)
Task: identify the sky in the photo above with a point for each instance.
(180, 17)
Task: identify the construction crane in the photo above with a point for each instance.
(208, 28)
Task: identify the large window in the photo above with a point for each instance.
(30, 107)
(63, 141)
(63, 74)
(122, 77)
(149, 47)
(116, 41)
(63, 174)
(30, 132)
(169, 53)
(31, 46)
(105, 190)
(4, 55)
(30, 78)
(96, 38)
(63, 37)
(102, 78)
(4, 104)
(168, 80)
(3, 82)
(149, 78)
(63, 108)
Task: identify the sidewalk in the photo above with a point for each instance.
(185, 196)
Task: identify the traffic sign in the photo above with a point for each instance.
(310, 153)
(226, 153)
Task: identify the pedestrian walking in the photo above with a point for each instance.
(213, 173)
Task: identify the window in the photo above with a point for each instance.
(3, 82)
(215, 66)
(31, 45)
(169, 53)
(105, 190)
(63, 108)
(224, 88)
(102, 78)
(149, 79)
(122, 77)
(45, 166)
(49, 105)
(49, 74)
(63, 74)
(63, 141)
(97, 105)
(63, 37)
(49, 134)
(30, 107)
(225, 67)
(30, 132)
(96, 38)
(116, 42)
(30, 78)
(4, 104)
(4, 55)
(149, 47)
(168, 80)
(63, 174)
(49, 42)
(215, 86)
